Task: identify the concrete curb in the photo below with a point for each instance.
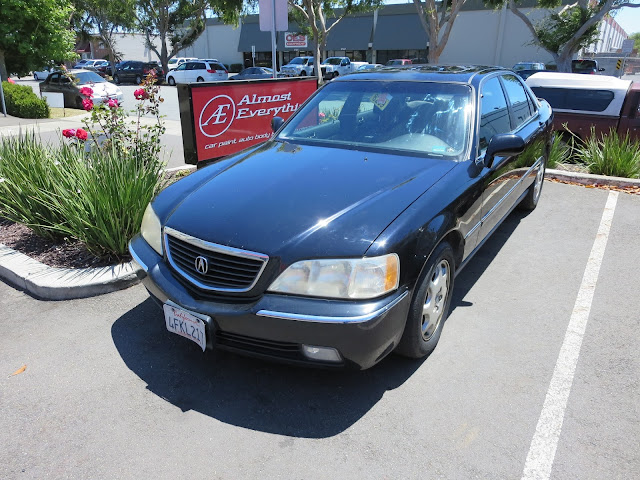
(51, 283)
(591, 179)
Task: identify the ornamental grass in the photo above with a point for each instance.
(88, 190)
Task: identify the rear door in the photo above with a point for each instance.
(506, 107)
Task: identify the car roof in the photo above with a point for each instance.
(470, 74)
(577, 80)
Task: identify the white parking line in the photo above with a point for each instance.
(545, 440)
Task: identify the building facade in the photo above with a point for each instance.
(479, 36)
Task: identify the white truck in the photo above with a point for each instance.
(334, 66)
(298, 67)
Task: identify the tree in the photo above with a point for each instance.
(636, 38)
(315, 13)
(107, 18)
(565, 32)
(176, 24)
(437, 18)
(34, 33)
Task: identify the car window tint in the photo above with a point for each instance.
(575, 99)
(517, 98)
(182, 67)
(494, 115)
(199, 66)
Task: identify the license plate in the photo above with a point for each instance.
(186, 324)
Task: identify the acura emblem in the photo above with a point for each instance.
(202, 265)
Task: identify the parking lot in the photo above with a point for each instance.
(547, 308)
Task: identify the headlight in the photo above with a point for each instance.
(341, 278)
(151, 230)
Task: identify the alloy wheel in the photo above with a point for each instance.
(436, 298)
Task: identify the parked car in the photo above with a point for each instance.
(82, 62)
(298, 67)
(253, 73)
(43, 73)
(102, 90)
(528, 66)
(198, 71)
(334, 66)
(398, 61)
(105, 69)
(585, 66)
(135, 71)
(363, 208)
(175, 62)
(584, 102)
(369, 66)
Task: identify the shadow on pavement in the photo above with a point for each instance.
(249, 393)
(263, 396)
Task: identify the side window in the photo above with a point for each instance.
(494, 114)
(518, 99)
(199, 66)
(55, 78)
(182, 66)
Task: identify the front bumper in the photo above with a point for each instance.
(277, 326)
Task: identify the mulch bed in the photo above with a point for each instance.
(62, 253)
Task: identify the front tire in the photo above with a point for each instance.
(303, 73)
(138, 79)
(335, 74)
(116, 79)
(171, 81)
(530, 201)
(430, 304)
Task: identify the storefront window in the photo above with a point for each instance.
(383, 56)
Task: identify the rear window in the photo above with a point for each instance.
(575, 99)
(583, 65)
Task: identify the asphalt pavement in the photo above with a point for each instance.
(108, 393)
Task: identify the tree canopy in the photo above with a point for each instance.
(563, 33)
(437, 19)
(34, 33)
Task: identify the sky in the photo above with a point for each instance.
(629, 19)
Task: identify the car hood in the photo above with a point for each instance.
(305, 201)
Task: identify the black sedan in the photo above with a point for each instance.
(253, 73)
(338, 241)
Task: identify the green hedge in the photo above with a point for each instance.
(22, 102)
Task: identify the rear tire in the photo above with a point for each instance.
(430, 304)
(138, 79)
(200, 79)
(530, 201)
(171, 81)
(335, 74)
(116, 79)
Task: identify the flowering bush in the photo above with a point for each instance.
(108, 126)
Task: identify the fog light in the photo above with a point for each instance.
(323, 354)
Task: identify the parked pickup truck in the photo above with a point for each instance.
(334, 66)
(298, 67)
(585, 101)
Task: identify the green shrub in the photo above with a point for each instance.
(22, 102)
(235, 68)
(98, 197)
(559, 153)
(611, 155)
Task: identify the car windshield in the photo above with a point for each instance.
(297, 61)
(332, 61)
(416, 118)
(172, 61)
(88, 77)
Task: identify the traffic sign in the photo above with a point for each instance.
(627, 46)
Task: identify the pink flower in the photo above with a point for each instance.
(113, 103)
(69, 132)
(11, 80)
(81, 134)
(141, 94)
(321, 115)
(86, 91)
(87, 104)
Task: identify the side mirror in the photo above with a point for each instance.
(276, 123)
(601, 69)
(503, 145)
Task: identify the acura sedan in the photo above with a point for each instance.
(338, 241)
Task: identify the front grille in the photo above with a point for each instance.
(287, 350)
(229, 269)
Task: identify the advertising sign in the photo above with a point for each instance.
(226, 117)
(295, 40)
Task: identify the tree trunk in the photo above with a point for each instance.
(3, 67)
(563, 61)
